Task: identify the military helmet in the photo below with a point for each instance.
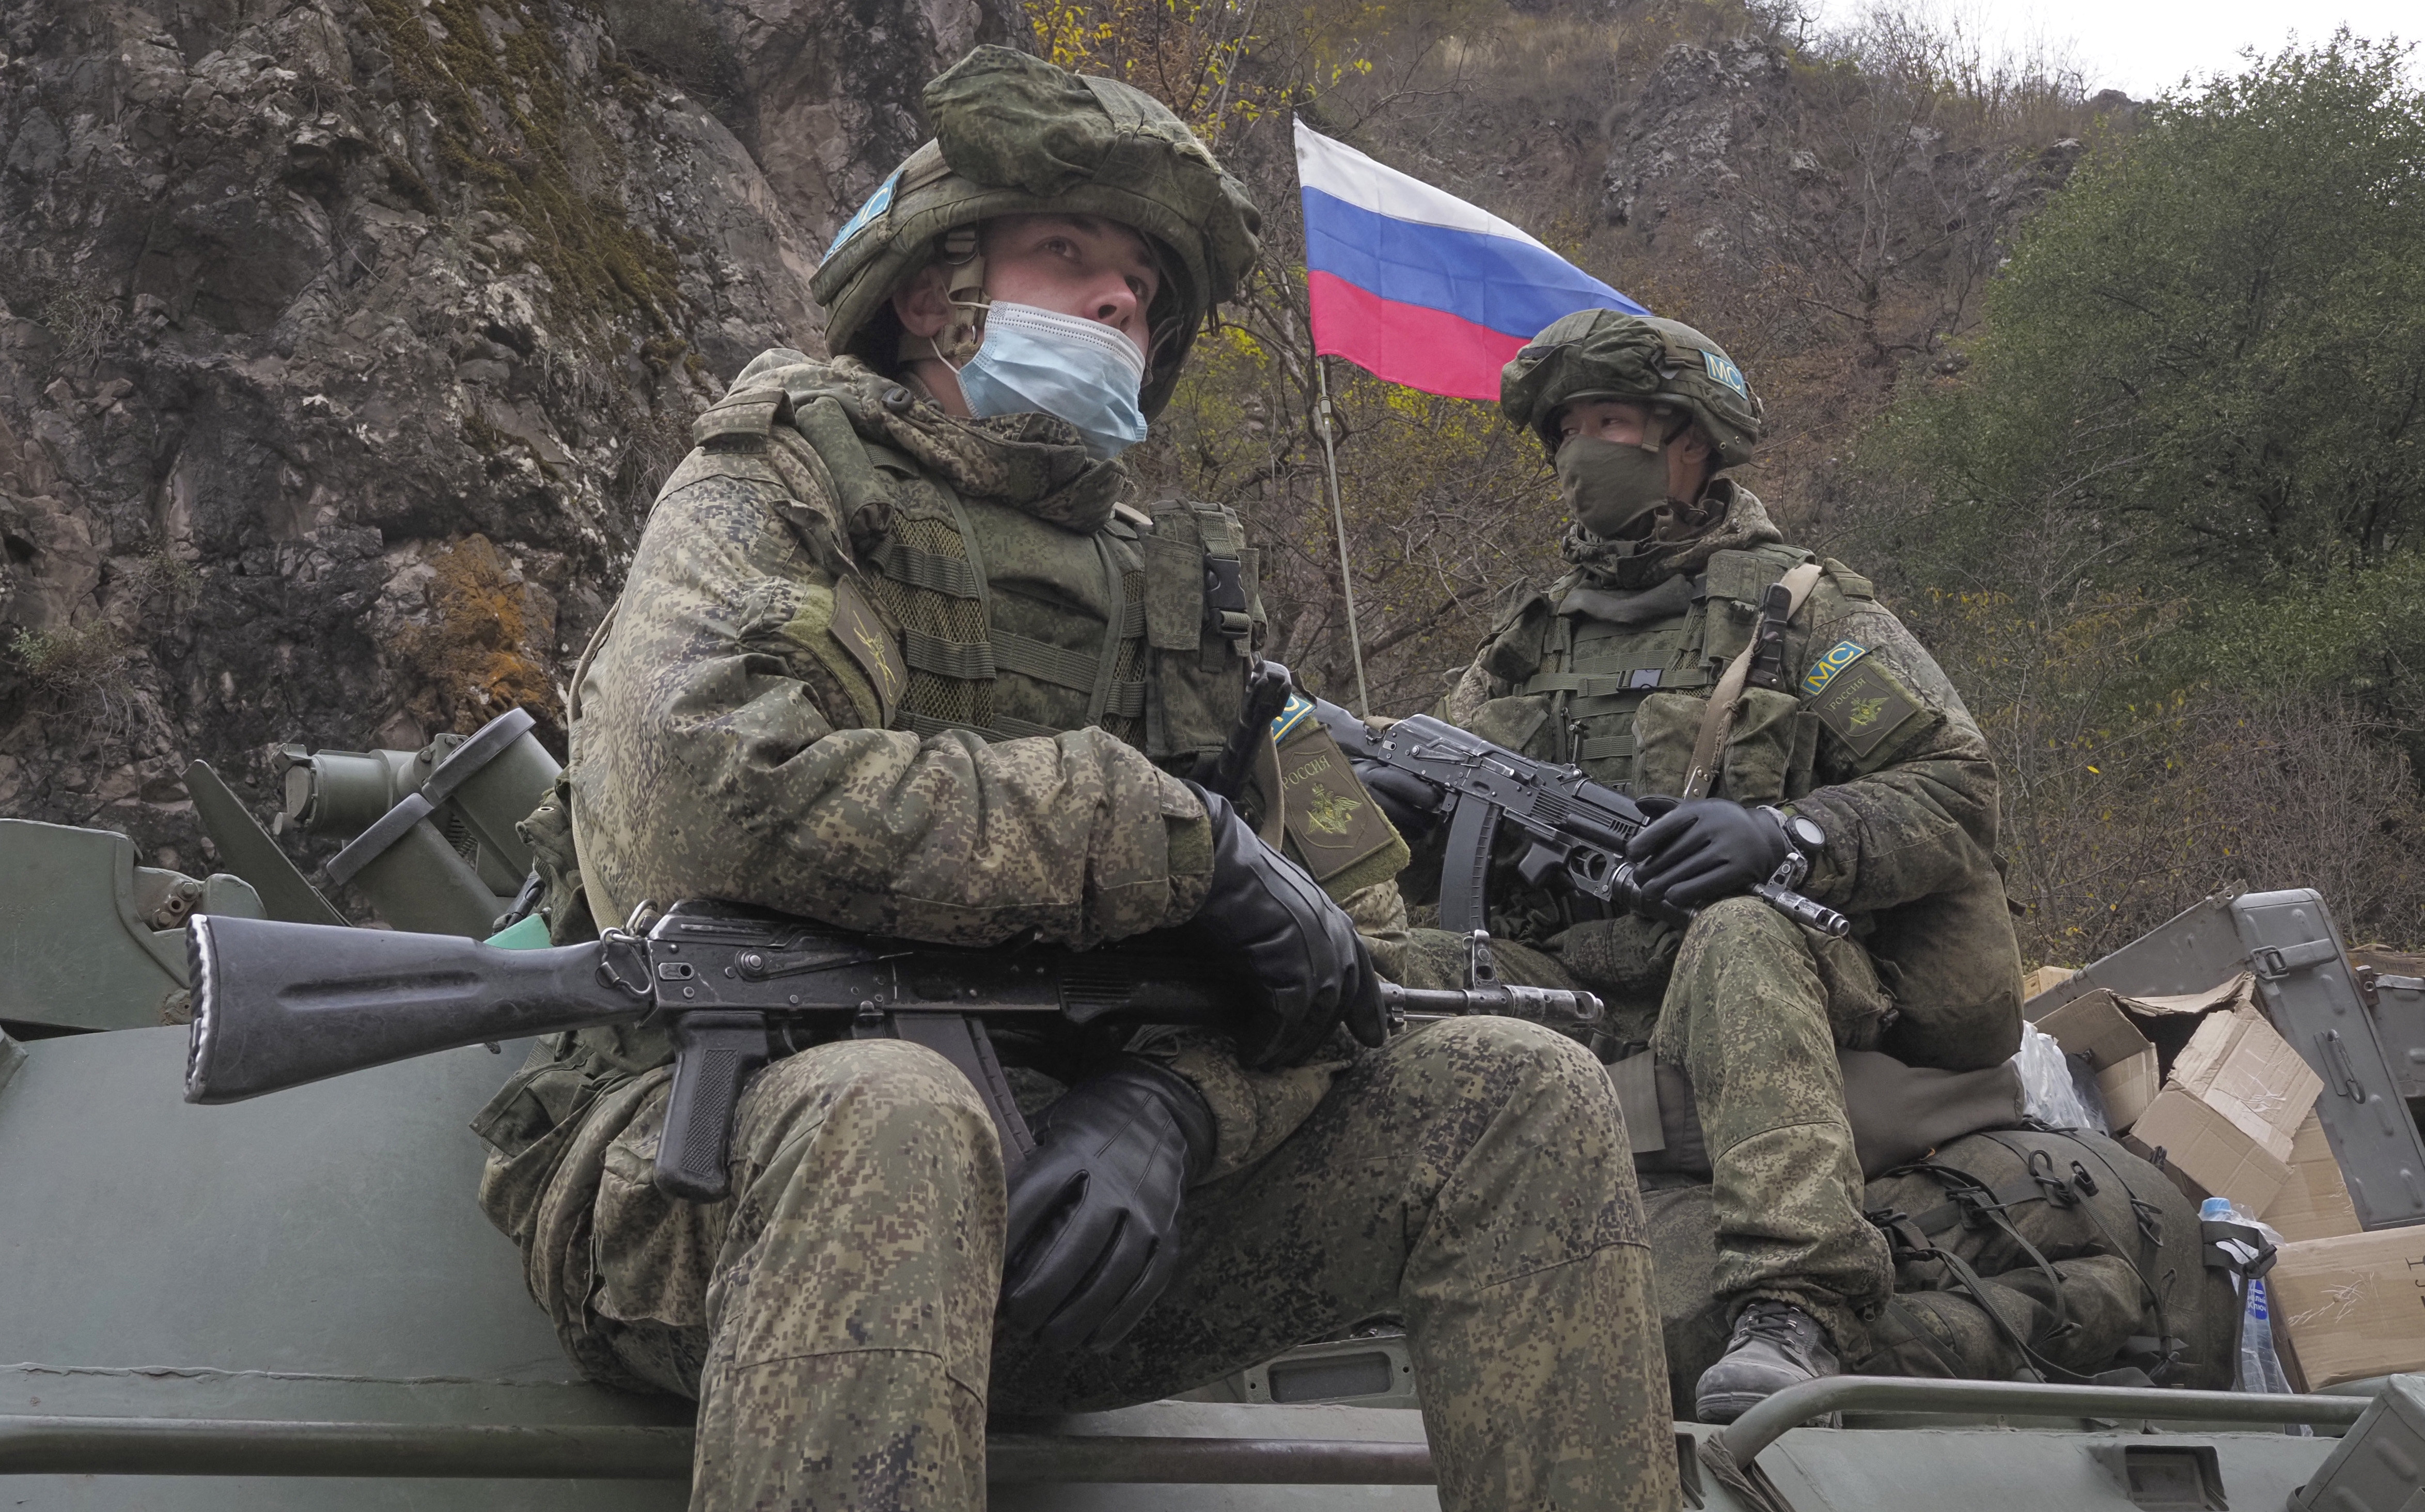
(1606, 354)
(1016, 136)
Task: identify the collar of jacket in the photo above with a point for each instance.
(1635, 565)
(1034, 463)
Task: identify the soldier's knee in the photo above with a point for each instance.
(1741, 937)
(1528, 1062)
(1743, 922)
(886, 1092)
(1515, 1087)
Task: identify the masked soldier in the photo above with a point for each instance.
(1834, 757)
(894, 655)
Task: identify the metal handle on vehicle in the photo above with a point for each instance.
(1770, 1420)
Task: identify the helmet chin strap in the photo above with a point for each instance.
(965, 288)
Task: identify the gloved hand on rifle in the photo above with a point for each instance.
(1308, 965)
(1703, 850)
(1094, 1211)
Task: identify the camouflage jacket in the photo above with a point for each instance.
(873, 665)
(1872, 742)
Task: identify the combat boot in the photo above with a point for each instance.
(1775, 1344)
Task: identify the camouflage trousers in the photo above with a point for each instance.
(1755, 1014)
(834, 1317)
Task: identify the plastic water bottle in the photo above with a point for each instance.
(2261, 1365)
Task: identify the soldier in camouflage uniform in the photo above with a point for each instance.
(893, 655)
(1852, 761)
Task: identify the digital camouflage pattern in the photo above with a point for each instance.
(2086, 1312)
(1606, 354)
(1611, 668)
(1909, 810)
(1412, 1184)
(729, 740)
(1016, 136)
(1755, 1023)
(731, 745)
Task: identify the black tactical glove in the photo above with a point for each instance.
(1093, 1209)
(1703, 850)
(1412, 805)
(1307, 964)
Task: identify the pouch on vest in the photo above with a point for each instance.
(1514, 648)
(1202, 607)
(1513, 721)
(1769, 754)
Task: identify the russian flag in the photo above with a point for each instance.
(1420, 288)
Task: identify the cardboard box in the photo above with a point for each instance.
(2128, 1088)
(2314, 1202)
(2046, 979)
(2233, 992)
(2095, 1026)
(2355, 1305)
(2237, 1066)
(2208, 1146)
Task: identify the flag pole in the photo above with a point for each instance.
(1339, 517)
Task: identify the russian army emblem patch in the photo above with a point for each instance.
(1863, 706)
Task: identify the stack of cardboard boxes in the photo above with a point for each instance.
(2203, 1085)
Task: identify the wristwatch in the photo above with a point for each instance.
(1803, 841)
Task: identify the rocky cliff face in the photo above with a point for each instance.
(343, 341)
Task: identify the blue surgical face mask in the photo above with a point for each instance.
(1080, 369)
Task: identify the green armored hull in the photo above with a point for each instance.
(294, 1302)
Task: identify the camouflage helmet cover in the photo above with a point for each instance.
(1606, 354)
(1016, 136)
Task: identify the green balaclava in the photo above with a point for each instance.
(1676, 373)
(1607, 485)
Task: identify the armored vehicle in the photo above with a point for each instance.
(293, 1302)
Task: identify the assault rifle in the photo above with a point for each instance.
(277, 1005)
(1577, 828)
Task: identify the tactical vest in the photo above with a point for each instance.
(1591, 699)
(1013, 627)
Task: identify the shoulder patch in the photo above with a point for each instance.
(1822, 672)
(1863, 706)
(1328, 814)
(864, 639)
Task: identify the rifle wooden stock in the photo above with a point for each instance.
(277, 1005)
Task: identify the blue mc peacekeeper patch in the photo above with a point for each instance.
(1292, 714)
(1822, 672)
(876, 205)
(1726, 373)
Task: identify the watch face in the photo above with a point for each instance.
(1806, 833)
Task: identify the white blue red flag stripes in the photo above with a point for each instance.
(1418, 287)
